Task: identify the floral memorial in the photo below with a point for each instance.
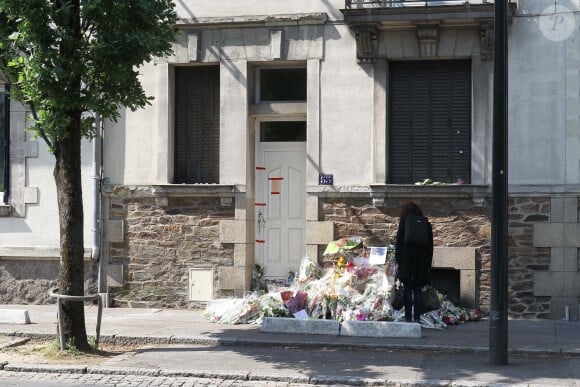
(355, 282)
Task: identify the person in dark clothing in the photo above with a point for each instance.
(413, 264)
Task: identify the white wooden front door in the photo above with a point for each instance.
(280, 207)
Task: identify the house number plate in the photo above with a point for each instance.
(325, 179)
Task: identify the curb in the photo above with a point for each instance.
(240, 376)
(311, 343)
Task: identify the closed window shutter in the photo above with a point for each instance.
(197, 125)
(430, 121)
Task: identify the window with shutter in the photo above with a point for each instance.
(197, 140)
(430, 121)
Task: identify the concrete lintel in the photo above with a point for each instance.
(14, 316)
(459, 258)
(380, 329)
(276, 43)
(347, 328)
(193, 45)
(30, 252)
(294, 325)
(257, 20)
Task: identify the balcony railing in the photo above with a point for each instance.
(408, 3)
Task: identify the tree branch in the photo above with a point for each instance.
(39, 129)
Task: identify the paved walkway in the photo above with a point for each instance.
(556, 342)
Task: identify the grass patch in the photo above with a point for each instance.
(50, 352)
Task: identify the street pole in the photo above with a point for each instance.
(498, 328)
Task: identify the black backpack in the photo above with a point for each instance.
(416, 230)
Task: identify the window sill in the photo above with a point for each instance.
(436, 190)
(161, 193)
(380, 192)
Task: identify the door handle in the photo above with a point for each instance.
(261, 221)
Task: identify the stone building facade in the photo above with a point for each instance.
(173, 240)
(164, 238)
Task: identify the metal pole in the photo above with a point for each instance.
(498, 329)
(6, 143)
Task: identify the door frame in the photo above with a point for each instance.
(259, 147)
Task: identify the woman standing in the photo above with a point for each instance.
(414, 255)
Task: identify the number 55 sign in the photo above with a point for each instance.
(325, 179)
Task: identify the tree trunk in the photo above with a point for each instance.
(67, 174)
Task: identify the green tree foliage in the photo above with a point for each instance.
(68, 59)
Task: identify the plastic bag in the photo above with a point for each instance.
(431, 299)
(398, 296)
(296, 303)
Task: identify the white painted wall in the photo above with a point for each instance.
(346, 110)
(40, 227)
(234, 134)
(536, 112)
(542, 93)
(538, 84)
(195, 9)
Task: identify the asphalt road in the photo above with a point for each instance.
(201, 365)
(344, 365)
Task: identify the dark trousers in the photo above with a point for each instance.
(413, 299)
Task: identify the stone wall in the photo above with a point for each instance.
(28, 281)
(556, 278)
(459, 223)
(162, 241)
(525, 259)
(456, 223)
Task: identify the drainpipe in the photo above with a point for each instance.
(6, 146)
(97, 226)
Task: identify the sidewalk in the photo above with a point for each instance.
(170, 326)
(556, 340)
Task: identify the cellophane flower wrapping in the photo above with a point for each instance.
(234, 311)
(355, 292)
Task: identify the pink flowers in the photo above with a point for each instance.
(450, 319)
(474, 315)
